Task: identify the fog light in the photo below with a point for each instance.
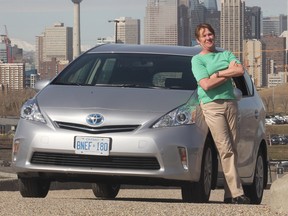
(183, 157)
(15, 149)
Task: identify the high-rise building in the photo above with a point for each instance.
(197, 15)
(253, 61)
(252, 23)
(274, 26)
(54, 45)
(12, 75)
(128, 30)
(232, 29)
(283, 23)
(275, 53)
(210, 4)
(271, 26)
(39, 51)
(213, 18)
(58, 42)
(3, 50)
(161, 22)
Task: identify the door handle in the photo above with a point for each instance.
(256, 114)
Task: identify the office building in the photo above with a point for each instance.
(253, 61)
(277, 79)
(12, 76)
(58, 42)
(210, 5)
(275, 53)
(55, 45)
(232, 29)
(161, 22)
(5, 49)
(197, 15)
(252, 23)
(213, 18)
(39, 49)
(170, 22)
(128, 30)
(283, 23)
(271, 26)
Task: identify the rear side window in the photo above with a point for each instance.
(141, 70)
(245, 84)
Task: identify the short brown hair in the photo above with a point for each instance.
(203, 26)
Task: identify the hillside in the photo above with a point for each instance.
(277, 96)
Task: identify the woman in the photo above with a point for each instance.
(213, 71)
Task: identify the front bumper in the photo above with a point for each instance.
(48, 152)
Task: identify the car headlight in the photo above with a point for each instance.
(30, 111)
(182, 115)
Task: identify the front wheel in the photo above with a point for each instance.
(33, 187)
(255, 191)
(199, 192)
(105, 191)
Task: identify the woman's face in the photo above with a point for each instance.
(206, 39)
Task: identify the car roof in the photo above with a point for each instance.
(151, 49)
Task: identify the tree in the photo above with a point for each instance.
(284, 104)
(12, 101)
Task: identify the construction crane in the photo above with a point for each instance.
(8, 46)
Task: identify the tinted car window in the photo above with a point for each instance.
(136, 70)
(245, 84)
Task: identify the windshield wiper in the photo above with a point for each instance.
(130, 85)
(72, 84)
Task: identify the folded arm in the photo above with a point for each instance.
(218, 78)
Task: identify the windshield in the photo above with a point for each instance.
(129, 70)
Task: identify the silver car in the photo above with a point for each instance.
(129, 114)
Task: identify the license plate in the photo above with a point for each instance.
(92, 145)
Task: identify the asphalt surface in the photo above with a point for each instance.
(130, 197)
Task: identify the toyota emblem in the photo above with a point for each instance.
(95, 119)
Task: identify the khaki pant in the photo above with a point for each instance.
(221, 117)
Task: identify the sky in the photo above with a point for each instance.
(25, 19)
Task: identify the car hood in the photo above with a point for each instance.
(116, 104)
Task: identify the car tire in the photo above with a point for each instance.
(199, 192)
(255, 191)
(33, 187)
(105, 191)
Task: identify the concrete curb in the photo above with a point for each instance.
(278, 195)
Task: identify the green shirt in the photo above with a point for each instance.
(203, 66)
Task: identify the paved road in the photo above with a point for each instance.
(140, 202)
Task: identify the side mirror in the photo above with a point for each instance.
(238, 94)
(39, 85)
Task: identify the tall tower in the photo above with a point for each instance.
(76, 29)
(161, 22)
(232, 29)
(211, 4)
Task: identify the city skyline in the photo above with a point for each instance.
(30, 17)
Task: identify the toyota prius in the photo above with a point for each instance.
(129, 114)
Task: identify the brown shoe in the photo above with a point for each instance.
(241, 200)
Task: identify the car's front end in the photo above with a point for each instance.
(104, 132)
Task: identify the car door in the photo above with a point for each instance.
(248, 119)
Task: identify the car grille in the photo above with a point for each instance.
(117, 162)
(98, 130)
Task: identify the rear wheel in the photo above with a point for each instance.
(105, 191)
(33, 187)
(255, 191)
(199, 192)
